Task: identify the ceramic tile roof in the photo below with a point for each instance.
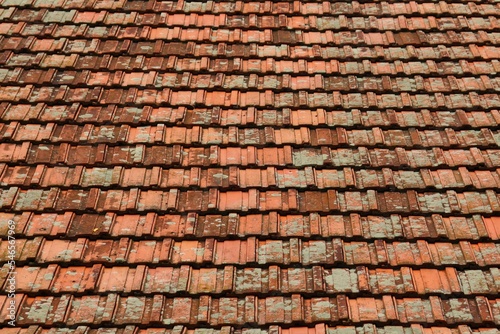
(251, 167)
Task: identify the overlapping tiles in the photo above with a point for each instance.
(213, 177)
(249, 251)
(250, 167)
(318, 329)
(228, 279)
(94, 309)
(232, 135)
(153, 225)
(80, 114)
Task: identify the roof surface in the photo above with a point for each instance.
(219, 167)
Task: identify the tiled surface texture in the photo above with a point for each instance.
(251, 167)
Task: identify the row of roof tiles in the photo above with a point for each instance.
(168, 56)
(398, 61)
(159, 41)
(229, 280)
(95, 309)
(83, 76)
(95, 199)
(257, 224)
(97, 4)
(118, 73)
(272, 224)
(268, 98)
(245, 156)
(77, 113)
(291, 251)
(248, 81)
(273, 329)
(284, 7)
(233, 135)
(309, 177)
(33, 21)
